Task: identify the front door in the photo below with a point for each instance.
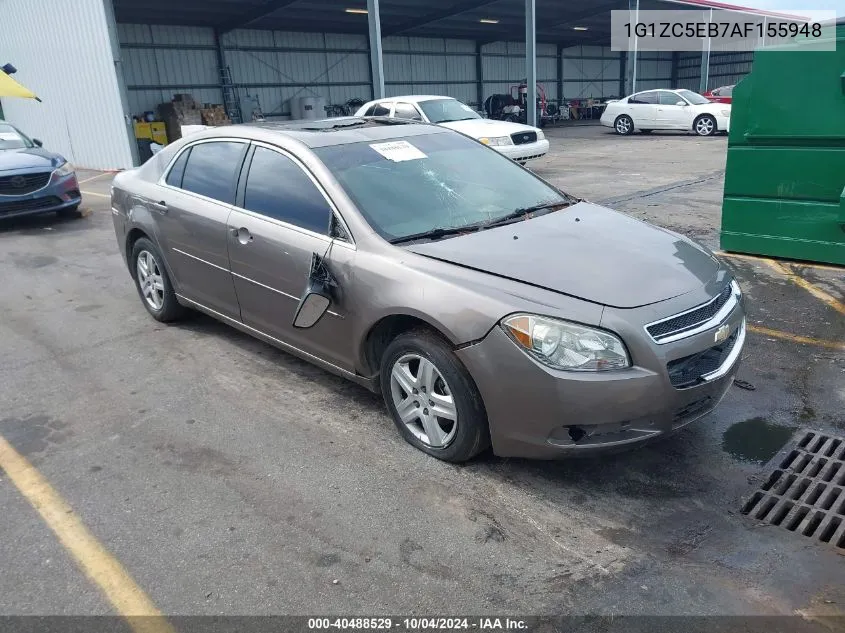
(670, 115)
(192, 215)
(282, 218)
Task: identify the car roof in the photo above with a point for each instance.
(411, 98)
(325, 132)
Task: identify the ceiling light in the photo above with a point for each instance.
(358, 11)
(579, 28)
(488, 21)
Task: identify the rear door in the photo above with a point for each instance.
(670, 115)
(282, 217)
(197, 195)
(643, 109)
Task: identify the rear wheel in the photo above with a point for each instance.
(623, 125)
(153, 283)
(705, 125)
(432, 398)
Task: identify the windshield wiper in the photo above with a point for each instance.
(516, 214)
(436, 233)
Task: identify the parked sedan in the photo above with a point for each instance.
(487, 306)
(515, 140)
(32, 179)
(667, 110)
(720, 95)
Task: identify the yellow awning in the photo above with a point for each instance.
(11, 88)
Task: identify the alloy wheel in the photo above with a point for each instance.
(704, 126)
(423, 400)
(623, 125)
(149, 280)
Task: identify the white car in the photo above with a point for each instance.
(667, 110)
(515, 140)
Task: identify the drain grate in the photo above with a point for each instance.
(805, 492)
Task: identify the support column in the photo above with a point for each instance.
(634, 7)
(559, 75)
(531, 61)
(705, 62)
(376, 64)
(479, 75)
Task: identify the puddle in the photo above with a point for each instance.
(755, 440)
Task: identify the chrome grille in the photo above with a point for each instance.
(689, 320)
(19, 185)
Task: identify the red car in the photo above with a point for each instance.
(720, 95)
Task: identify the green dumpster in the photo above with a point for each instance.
(785, 175)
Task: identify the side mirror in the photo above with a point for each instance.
(681, 103)
(37, 142)
(317, 296)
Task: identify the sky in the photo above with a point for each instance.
(796, 5)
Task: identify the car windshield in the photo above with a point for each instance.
(443, 110)
(693, 97)
(10, 138)
(405, 187)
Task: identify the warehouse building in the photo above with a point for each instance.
(96, 64)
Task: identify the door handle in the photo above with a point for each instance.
(160, 206)
(242, 234)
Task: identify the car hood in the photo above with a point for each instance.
(585, 251)
(477, 128)
(28, 158)
(714, 107)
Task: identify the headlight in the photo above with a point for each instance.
(540, 135)
(496, 140)
(564, 345)
(65, 169)
(726, 113)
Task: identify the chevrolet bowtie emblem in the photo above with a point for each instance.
(723, 333)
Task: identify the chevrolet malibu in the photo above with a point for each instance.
(487, 306)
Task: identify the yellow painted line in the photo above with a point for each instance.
(794, 338)
(94, 193)
(757, 258)
(95, 177)
(817, 292)
(128, 599)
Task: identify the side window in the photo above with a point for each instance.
(370, 110)
(174, 178)
(644, 97)
(381, 109)
(279, 188)
(668, 98)
(406, 111)
(726, 92)
(212, 168)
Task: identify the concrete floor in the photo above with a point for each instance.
(230, 478)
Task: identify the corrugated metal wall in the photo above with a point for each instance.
(725, 69)
(277, 66)
(77, 54)
(654, 70)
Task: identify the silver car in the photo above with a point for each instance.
(487, 306)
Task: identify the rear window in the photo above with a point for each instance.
(211, 168)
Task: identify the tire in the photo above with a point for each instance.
(461, 438)
(624, 125)
(164, 307)
(70, 212)
(705, 125)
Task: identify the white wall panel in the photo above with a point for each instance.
(73, 72)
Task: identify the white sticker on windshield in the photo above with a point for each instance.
(398, 151)
(8, 136)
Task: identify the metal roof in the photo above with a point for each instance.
(556, 19)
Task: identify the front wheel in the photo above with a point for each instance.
(624, 125)
(705, 125)
(432, 398)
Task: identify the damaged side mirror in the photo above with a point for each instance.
(317, 296)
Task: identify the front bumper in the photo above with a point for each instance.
(59, 193)
(538, 412)
(723, 123)
(527, 151)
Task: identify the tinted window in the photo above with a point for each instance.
(211, 169)
(174, 178)
(370, 110)
(278, 188)
(406, 111)
(381, 109)
(644, 97)
(668, 98)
